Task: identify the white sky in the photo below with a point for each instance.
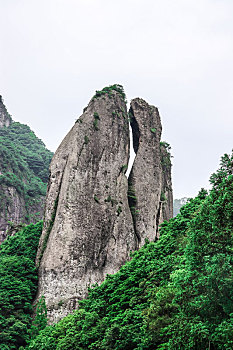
(177, 55)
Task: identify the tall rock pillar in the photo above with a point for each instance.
(88, 229)
(147, 180)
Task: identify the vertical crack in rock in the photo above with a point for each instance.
(92, 234)
(146, 179)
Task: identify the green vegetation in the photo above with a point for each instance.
(109, 89)
(119, 210)
(96, 119)
(163, 198)
(86, 139)
(132, 199)
(39, 322)
(165, 152)
(175, 293)
(153, 130)
(124, 168)
(110, 199)
(96, 199)
(24, 165)
(18, 283)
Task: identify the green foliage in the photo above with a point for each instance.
(86, 139)
(21, 150)
(124, 168)
(163, 198)
(165, 153)
(40, 320)
(153, 130)
(109, 89)
(95, 122)
(132, 199)
(96, 199)
(110, 199)
(24, 165)
(18, 283)
(119, 210)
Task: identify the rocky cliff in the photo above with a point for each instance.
(145, 179)
(24, 163)
(93, 219)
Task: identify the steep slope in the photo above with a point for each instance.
(88, 230)
(24, 163)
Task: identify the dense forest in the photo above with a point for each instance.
(23, 156)
(175, 293)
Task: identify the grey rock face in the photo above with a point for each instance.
(89, 232)
(93, 218)
(147, 180)
(5, 118)
(166, 198)
(13, 211)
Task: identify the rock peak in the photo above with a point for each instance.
(5, 118)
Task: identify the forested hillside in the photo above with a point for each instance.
(175, 293)
(24, 169)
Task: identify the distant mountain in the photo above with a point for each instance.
(24, 169)
(177, 204)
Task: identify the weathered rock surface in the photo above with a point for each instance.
(147, 180)
(88, 230)
(93, 217)
(15, 211)
(166, 198)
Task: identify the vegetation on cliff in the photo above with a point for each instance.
(175, 293)
(24, 166)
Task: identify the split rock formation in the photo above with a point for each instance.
(93, 219)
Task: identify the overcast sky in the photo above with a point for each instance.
(176, 54)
